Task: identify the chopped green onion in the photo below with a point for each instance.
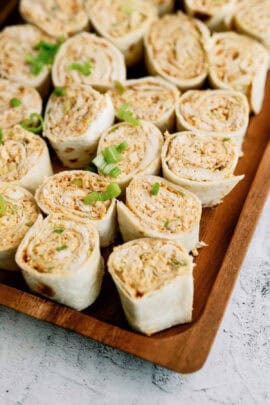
(115, 172)
(122, 146)
(60, 248)
(179, 263)
(34, 123)
(29, 224)
(58, 91)
(1, 136)
(166, 224)
(77, 182)
(58, 231)
(124, 114)
(3, 206)
(155, 189)
(15, 102)
(119, 87)
(226, 139)
(111, 154)
(112, 191)
(84, 68)
(45, 56)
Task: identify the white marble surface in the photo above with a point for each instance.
(42, 364)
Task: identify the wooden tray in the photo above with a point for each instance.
(227, 229)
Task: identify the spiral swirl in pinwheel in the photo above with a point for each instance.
(156, 208)
(88, 59)
(60, 259)
(252, 17)
(18, 60)
(18, 212)
(56, 17)
(17, 102)
(202, 164)
(24, 158)
(143, 149)
(74, 120)
(239, 63)
(65, 193)
(124, 23)
(175, 50)
(216, 14)
(150, 99)
(155, 283)
(222, 113)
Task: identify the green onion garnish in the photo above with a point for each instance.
(155, 189)
(3, 206)
(119, 87)
(58, 231)
(166, 224)
(226, 139)
(84, 68)
(45, 56)
(34, 123)
(60, 248)
(29, 224)
(15, 102)
(112, 191)
(122, 146)
(1, 136)
(105, 161)
(58, 91)
(77, 182)
(124, 114)
(111, 154)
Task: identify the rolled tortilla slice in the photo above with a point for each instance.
(202, 164)
(175, 50)
(142, 155)
(164, 6)
(240, 63)
(212, 12)
(60, 259)
(223, 113)
(18, 212)
(150, 99)
(17, 102)
(24, 158)
(56, 17)
(252, 17)
(13, 56)
(74, 121)
(64, 193)
(172, 213)
(155, 283)
(88, 59)
(123, 23)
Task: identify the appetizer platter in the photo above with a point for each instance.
(134, 164)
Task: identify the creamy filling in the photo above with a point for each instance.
(20, 214)
(214, 111)
(176, 47)
(171, 211)
(198, 158)
(70, 115)
(204, 8)
(59, 245)
(146, 265)
(254, 17)
(64, 193)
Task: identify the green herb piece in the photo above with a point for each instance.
(119, 87)
(166, 224)
(122, 146)
(3, 206)
(179, 263)
(15, 102)
(77, 182)
(112, 191)
(1, 136)
(29, 224)
(58, 91)
(109, 169)
(45, 56)
(226, 139)
(34, 123)
(124, 114)
(60, 248)
(84, 68)
(155, 189)
(111, 154)
(127, 9)
(59, 231)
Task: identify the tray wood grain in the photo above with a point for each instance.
(227, 229)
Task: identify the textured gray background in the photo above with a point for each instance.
(42, 364)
